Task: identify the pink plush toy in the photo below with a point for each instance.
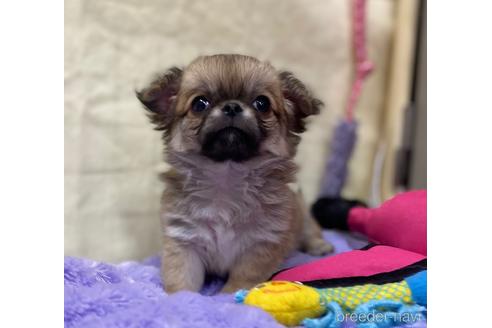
(399, 222)
(398, 227)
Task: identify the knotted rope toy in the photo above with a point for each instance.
(344, 137)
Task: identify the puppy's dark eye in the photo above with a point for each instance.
(261, 104)
(199, 104)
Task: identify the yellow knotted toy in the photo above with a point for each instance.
(290, 303)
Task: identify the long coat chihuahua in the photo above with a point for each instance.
(231, 126)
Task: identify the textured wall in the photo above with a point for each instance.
(112, 156)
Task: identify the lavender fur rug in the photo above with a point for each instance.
(130, 295)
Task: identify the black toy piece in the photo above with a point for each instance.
(332, 212)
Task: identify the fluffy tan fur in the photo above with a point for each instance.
(234, 217)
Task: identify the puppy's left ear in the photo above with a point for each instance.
(160, 96)
(299, 102)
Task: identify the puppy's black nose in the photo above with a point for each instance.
(232, 109)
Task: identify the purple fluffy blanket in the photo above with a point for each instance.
(130, 294)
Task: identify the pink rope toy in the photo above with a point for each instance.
(345, 133)
(363, 66)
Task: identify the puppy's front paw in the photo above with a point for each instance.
(318, 247)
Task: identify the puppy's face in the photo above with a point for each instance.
(229, 107)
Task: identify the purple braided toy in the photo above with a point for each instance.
(341, 150)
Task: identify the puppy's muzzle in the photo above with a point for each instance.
(229, 143)
(230, 135)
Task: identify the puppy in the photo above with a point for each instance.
(231, 126)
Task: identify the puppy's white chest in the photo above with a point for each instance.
(221, 225)
(222, 247)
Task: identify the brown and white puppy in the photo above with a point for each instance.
(230, 125)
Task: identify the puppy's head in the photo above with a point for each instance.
(229, 107)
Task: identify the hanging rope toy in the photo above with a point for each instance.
(345, 133)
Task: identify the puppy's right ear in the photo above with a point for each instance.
(159, 98)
